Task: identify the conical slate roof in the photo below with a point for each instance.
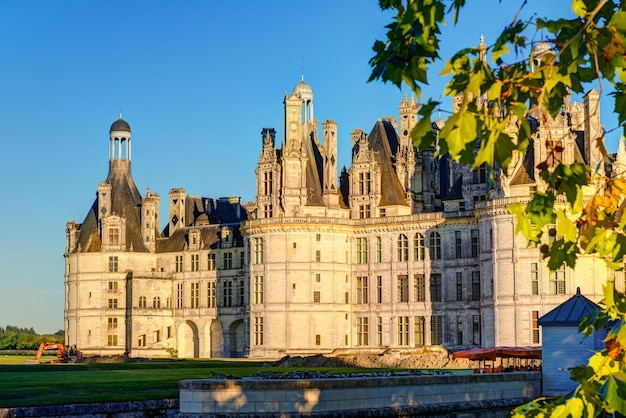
(570, 312)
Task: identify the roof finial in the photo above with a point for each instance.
(120, 110)
(303, 68)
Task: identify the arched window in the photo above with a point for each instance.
(168, 302)
(403, 248)
(418, 247)
(142, 301)
(434, 245)
(156, 302)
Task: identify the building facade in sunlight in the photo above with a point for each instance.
(403, 249)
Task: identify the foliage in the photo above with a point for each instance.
(498, 105)
(15, 338)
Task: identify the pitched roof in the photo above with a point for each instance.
(382, 140)
(570, 312)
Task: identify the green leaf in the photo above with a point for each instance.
(613, 392)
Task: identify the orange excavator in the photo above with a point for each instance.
(64, 355)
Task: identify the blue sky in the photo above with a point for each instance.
(197, 81)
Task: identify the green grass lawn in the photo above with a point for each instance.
(59, 384)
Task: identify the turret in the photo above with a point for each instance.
(177, 209)
(150, 219)
(331, 195)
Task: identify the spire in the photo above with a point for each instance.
(482, 49)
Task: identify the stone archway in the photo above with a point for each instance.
(188, 340)
(216, 339)
(237, 339)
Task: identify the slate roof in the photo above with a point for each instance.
(382, 140)
(569, 313)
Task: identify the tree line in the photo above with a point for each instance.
(16, 338)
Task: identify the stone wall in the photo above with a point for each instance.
(369, 396)
(165, 408)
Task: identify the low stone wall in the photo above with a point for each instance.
(360, 396)
(165, 408)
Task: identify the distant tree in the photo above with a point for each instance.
(15, 338)
(588, 48)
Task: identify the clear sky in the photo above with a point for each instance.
(197, 81)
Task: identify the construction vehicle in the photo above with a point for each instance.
(64, 355)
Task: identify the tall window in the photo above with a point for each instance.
(113, 303)
(379, 330)
(403, 248)
(114, 236)
(476, 330)
(458, 244)
(364, 211)
(259, 250)
(258, 330)
(241, 293)
(242, 259)
(361, 290)
(474, 244)
(535, 326)
(361, 250)
(113, 287)
(379, 289)
(210, 295)
(403, 288)
(142, 302)
(419, 288)
(168, 302)
(156, 302)
(476, 285)
(403, 330)
(317, 297)
(436, 330)
(228, 293)
(195, 262)
(267, 211)
(379, 250)
(258, 289)
(267, 183)
(434, 245)
(459, 330)
(111, 340)
(211, 261)
(418, 247)
(435, 287)
(534, 278)
(479, 175)
(364, 183)
(419, 331)
(111, 323)
(179, 263)
(318, 256)
(194, 294)
(557, 282)
(113, 264)
(459, 286)
(362, 331)
(228, 261)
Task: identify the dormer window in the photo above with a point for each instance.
(114, 236)
(364, 183)
(267, 183)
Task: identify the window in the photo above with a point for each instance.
(382, 212)
(258, 289)
(476, 330)
(316, 297)
(420, 336)
(156, 336)
(361, 290)
(194, 294)
(403, 288)
(419, 288)
(318, 256)
(318, 278)
(379, 289)
(195, 263)
(211, 261)
(111, 340)
(141, 341)
(434, 245)
(361, 250)
(364, 183)
(113, 264)
(534, 278)
(435, 287)
(479, 175)
(113, 303)
(459, 286)
(168, 302)
(557, 282)
(318, 339)
(459, 330)
(419, 252)
(156, 302)
(142, 301)
(362, 331)
(458, 244)
(267, 211)
(258, 330)
(259, 250)
(379, 250)
(179, 295)
(210, 295)
(318, 237)
(228, 261)
(267, 183)
(111, 323)
(169, 332)
(112, 287)
(179, 263)
(403, 248)
(242, 259)
(114, 236)
(379, 330)
(228, 293)
(241, 295)
(364, 211)
(535, 326)
(436, 330)
(474, 244)
(476, 285)
(403, 330)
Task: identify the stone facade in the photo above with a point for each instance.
(401, 249)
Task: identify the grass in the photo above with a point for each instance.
(61, 384)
